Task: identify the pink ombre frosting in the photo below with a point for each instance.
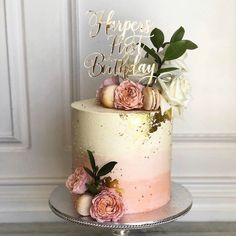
(107, 206)
(143, 157)
(146, 194)
(77, 181)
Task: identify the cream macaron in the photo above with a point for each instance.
(107, 96)
(151, 99)
(83, 204)
(147, 98)
(157, 98)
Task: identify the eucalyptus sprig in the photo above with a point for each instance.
(96, 173)
(177, 46)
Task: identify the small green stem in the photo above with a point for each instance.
(160, 65)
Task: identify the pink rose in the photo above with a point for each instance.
(128, 95)
(107, 206)
(77, 181)
(70, 182)
(114, 80)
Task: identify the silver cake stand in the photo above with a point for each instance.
(61, 204)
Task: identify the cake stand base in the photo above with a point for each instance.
(61, 204)
(120, 232)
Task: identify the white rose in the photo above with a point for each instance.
(176, 91)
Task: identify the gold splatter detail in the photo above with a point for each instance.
(144, 124)
(123, 116)
(155, 120)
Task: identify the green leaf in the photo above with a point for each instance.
(151, 52)
(92, 188)
(92, 161)
(157, 38)
(178, 35)
(190, 45)
(177, 49)
(167, 69)
(90, 172)
(107, 168)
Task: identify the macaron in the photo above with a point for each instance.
(107, 96)
(147, 98)
(157, 98)
(151, 99)
(83, 204)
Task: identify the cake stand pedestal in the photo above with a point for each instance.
(61, 204)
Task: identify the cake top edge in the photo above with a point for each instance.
(91, 105)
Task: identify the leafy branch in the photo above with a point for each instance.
(96, 173)
(176, 48)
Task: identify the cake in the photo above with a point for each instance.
(121, 140)
(140, 142)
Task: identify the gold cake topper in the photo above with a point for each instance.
(125, 47)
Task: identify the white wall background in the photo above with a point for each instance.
(42, 47)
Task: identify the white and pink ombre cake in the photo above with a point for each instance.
(139, 141)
